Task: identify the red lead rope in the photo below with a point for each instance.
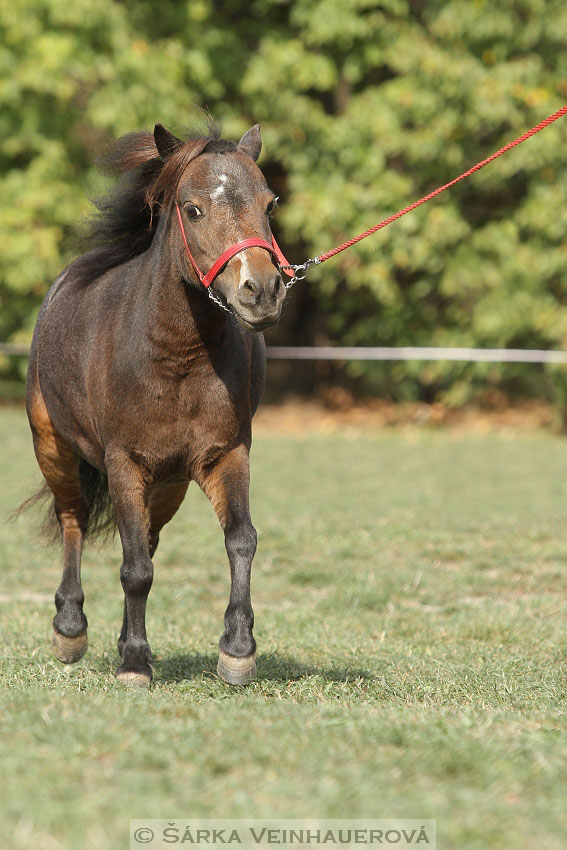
(297, 272)
(328, 254)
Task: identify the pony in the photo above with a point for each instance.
(141, 379)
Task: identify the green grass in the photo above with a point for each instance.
(409, 590)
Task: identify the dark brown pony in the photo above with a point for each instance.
(138, 383)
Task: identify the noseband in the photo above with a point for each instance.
(219, 264)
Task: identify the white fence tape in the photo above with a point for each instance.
(474, 355)
(477, 355)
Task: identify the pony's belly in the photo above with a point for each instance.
(69, 413)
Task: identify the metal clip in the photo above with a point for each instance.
(297, 269)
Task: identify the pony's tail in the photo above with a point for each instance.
(94, 490)
(49, 526)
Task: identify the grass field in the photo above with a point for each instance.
(409, 591)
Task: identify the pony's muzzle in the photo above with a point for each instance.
(258, 302)
(252, 292)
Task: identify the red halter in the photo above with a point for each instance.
(218, 265)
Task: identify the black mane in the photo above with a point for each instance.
(125, 220)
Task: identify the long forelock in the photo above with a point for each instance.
(164, 186)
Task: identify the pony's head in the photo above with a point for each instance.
(216, 197)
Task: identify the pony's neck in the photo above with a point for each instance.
(181, 317)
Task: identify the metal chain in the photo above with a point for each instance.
(297, 269)
(217, 301)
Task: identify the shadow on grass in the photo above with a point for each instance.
(271, 667)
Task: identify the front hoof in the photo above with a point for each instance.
(134, 680)
(236, 671)
(69, 649)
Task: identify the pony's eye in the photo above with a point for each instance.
(192, 211)
(272, 206)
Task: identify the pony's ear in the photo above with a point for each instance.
(166, 142)
(251, 142)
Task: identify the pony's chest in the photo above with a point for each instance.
(187, 430)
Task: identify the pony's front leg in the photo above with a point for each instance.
(128, 493)
(226, 484)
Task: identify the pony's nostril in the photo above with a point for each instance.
(251, 287)
(277, 285)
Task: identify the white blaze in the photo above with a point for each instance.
(216, 193)
(244, 268)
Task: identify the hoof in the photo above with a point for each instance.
(69, 649)
(134, 680)
(236, 671)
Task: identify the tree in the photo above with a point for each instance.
(364, 107)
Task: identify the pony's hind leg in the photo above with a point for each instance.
(60, 467)
(226, 484)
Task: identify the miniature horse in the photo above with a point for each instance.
(138, 383)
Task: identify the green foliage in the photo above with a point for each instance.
(364, 106)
